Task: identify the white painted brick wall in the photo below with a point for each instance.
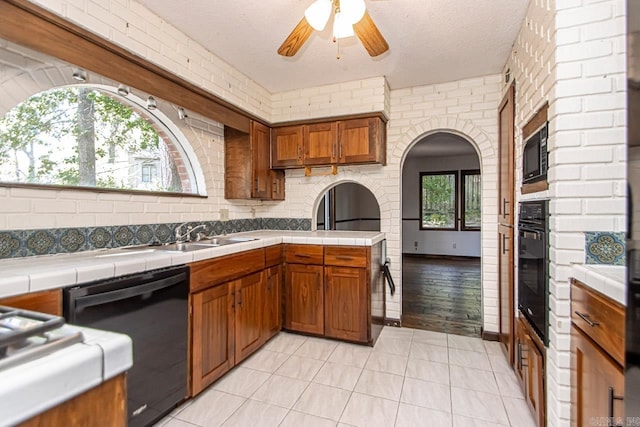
(582, 78)
(466, 107)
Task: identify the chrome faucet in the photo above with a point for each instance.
(187, 234)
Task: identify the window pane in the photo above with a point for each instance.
(472, 201)
(438, 202)
(89, 137)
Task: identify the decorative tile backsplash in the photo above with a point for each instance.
(21, 243)
(604, 247)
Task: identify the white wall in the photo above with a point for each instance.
(572, 54)
(467, 243)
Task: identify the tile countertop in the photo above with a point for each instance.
(33, 274)
(609, 280)
(33, 387)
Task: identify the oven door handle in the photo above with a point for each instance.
(128, 292)
(531, 234)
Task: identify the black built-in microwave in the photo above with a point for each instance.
(534, 156)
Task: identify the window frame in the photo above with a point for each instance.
(456, 211)
(464, 173)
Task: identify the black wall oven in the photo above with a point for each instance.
(152, 308)
(533, 262)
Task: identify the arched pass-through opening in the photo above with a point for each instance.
(441, 235)
(348, 206)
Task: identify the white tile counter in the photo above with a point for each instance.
(609, 280)
(32, 274)
(36, 386)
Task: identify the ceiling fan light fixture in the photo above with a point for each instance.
(352, 10)
(342, 28)
(318, 14)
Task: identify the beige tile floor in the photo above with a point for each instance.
(410, 378)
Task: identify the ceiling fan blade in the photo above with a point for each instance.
(370, 36)
(296, 39)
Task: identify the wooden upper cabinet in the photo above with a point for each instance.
(361, 141)
(351, 141)
(261, 163)
(247, 165)
(286, 147)
(320, 143)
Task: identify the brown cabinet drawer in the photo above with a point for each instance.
(207, 273)
(346, 256)
(273, 255)
(599, 317)
(49, 302)
(303, 254)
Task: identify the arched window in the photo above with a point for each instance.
(94, 136)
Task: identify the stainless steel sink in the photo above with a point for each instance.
(211, 242)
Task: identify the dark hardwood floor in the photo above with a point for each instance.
(442, 294)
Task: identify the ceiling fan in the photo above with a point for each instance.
(349, 17)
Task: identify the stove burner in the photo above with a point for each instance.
(26, 335)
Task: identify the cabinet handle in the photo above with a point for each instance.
(344, 258)
(613, 397)
(587, 319)
(299, 157)
(519, 356)
(505, 202)
(504, 244)
(333, 151)
(239, 297)
(339, 150)
(303, 256)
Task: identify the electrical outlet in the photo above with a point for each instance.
(415, 245)
(454, 246)
(224, 214)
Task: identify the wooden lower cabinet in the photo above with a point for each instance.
(103, 405)
(213, 334)
(304, 298)
(49, 302)
(248, 315)
(597, 384)
(345, 303)
(272, 307)
(597, 358)
(529, 367)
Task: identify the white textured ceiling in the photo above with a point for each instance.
(431, 41)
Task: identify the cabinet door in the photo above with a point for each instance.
(304, 298)
(249, 301)
(506, 175)
(320, 143)
(521, 354)
(260, 162)
(597, 384)
(345, 304)
(535, 381)
(286, 147)
(272, 320)
(212, 335)
(505, 289)
(277, 184)
(361, 141)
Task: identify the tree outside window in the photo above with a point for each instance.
(440, 200)
(87, 137)
(472, 200)
(438, 207)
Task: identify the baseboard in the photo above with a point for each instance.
(490, 336)
(392, 322)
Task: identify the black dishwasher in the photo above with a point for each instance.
(151, 308)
